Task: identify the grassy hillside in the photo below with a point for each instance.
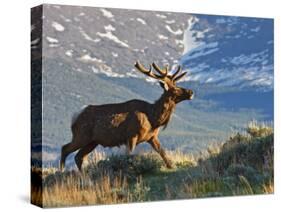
(243, 165)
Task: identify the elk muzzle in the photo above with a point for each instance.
(189, 94)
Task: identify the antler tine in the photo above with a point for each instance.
(176, 73)
(180, 76)
(163, 73)
(149, 72)
(159, 70)
(167, 68)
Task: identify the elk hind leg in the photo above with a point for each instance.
(84, 151)
(65, 151)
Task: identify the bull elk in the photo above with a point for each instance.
(130, 123)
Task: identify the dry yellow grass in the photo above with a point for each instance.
(81, 190)
(268, 188)
(70, 193)
(257, 129)
(74, 188)
(178, 156)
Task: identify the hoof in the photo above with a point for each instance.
(169, 166)
(61, 167)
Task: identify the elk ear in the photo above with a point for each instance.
(164, 86)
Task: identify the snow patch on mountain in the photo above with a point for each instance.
(35, 41)
(69, 53)
(58, 27)
(189, 39)
(170, 21)
(65, 19)
(88, 37)
(56, 6)
(106, 13)
(109, 35)
(141, 21)
(161, 16)
(162, 37)
(179, 42)
(106, 70)
(81, 14)
(201, 50)
(132, 73)
(251, 58)
(88, 59)
(175, 32)
(52, 40)
(32, 27)
(109, 28)
(229, 51)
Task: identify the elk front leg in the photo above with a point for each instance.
(131, 144)
(154, 142)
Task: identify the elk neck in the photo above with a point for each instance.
(162, 110)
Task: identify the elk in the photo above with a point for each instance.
(129, 123)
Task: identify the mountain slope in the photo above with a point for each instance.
(231, 51)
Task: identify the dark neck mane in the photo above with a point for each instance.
(162, 110)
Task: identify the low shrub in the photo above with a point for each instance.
(259, 130)
(129, 166)
(237, 170)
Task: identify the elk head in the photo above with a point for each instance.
(168, 81)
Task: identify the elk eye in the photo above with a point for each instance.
(178, 91)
